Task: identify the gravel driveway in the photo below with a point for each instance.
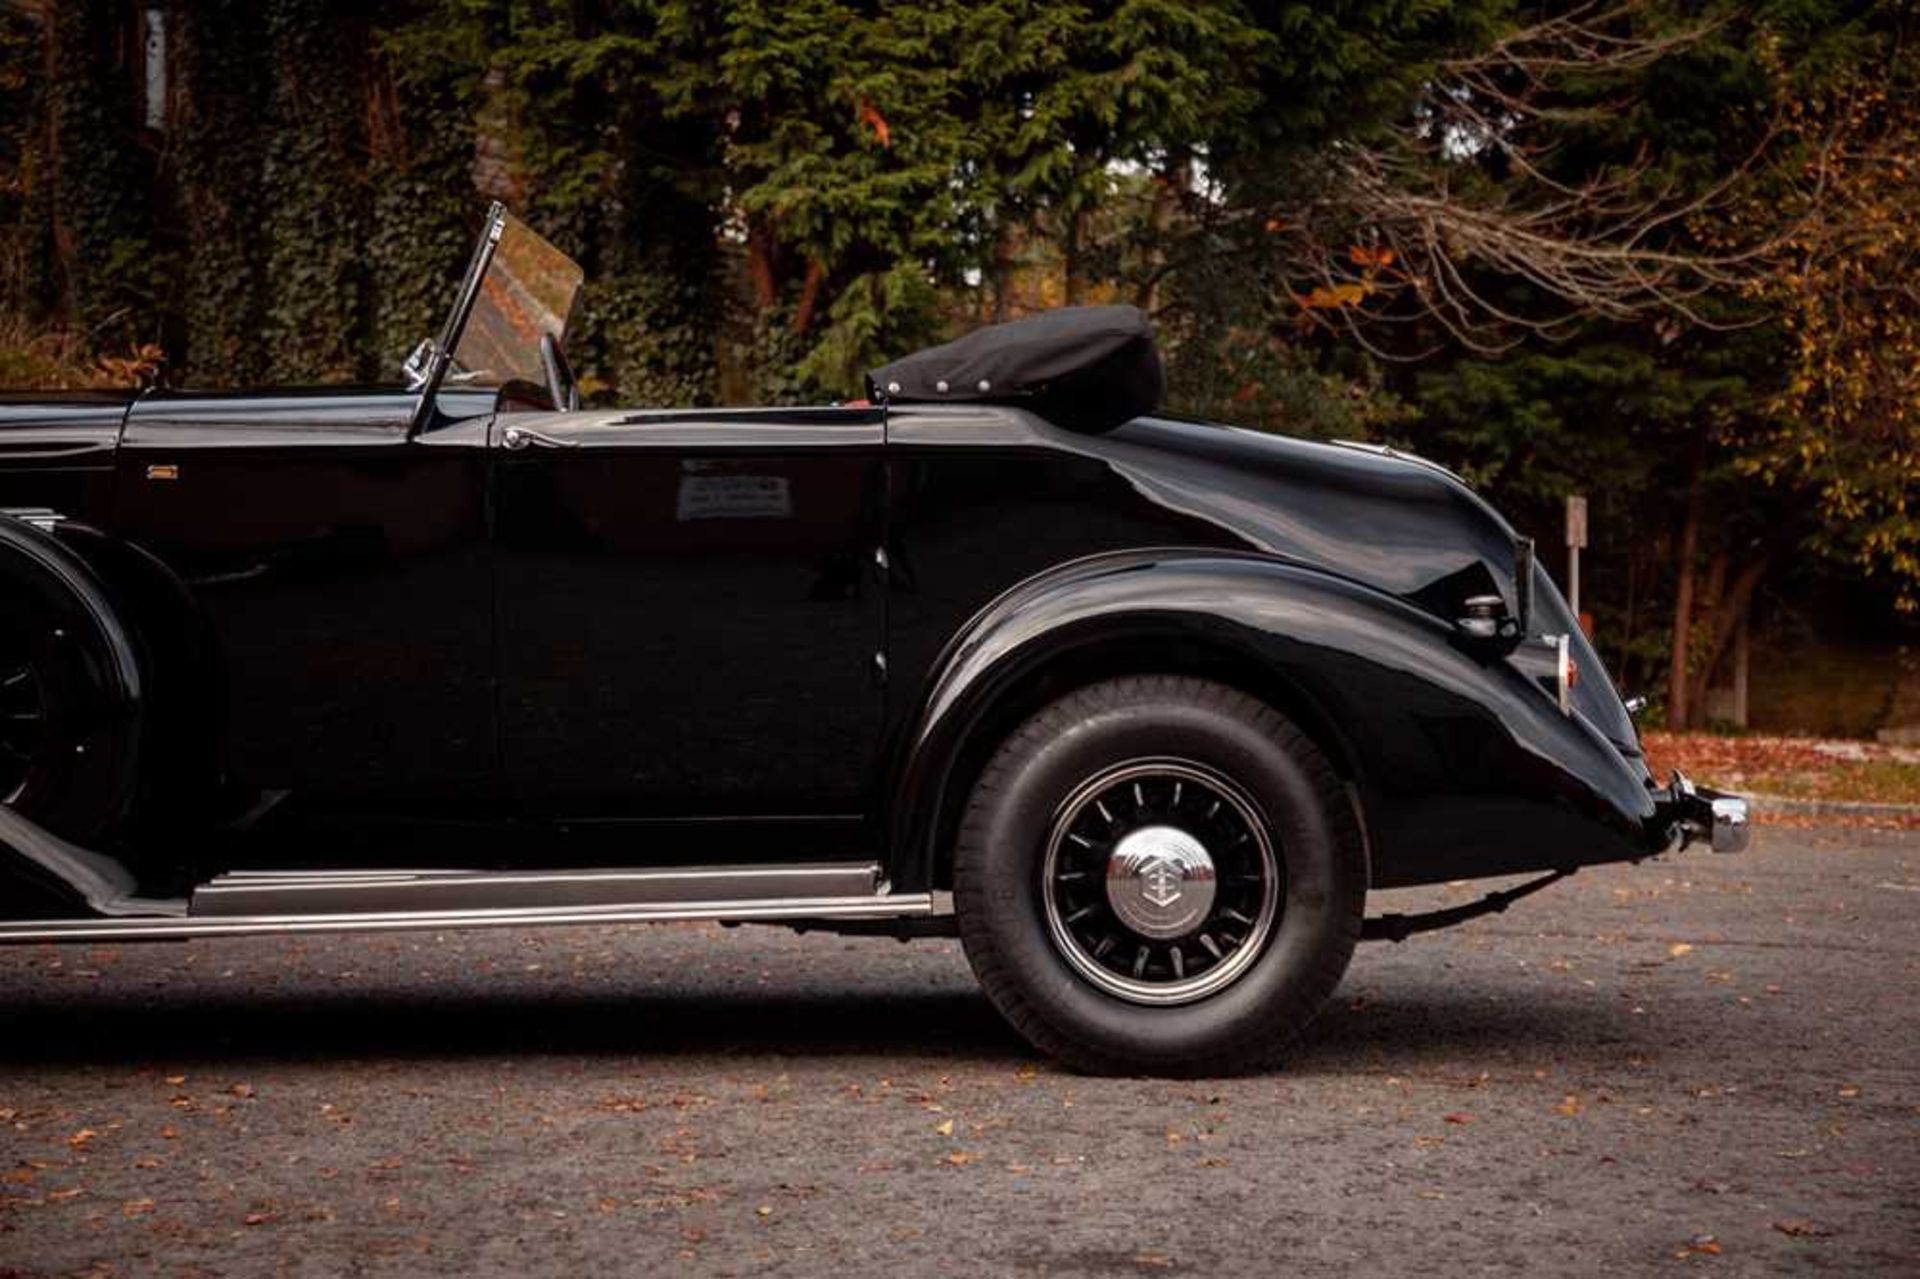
(1703, 1064)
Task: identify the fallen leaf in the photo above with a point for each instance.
(1458, 1117)
(945, 1129)
(1849, 1091)
(764, 1210)
(81, 1138)
(176, 1080)
(1153, 1260)
(1802, 1229)
(1569, 1107)
(1699, 1245)
(169, 1133)
(136, 1207)
(242, 1091)
(71, 1192)
(1679, 949)
(19, 1177)
(961, 1158)
(258, 1218)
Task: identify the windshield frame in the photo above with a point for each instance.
(445, 349)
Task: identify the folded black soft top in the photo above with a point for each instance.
(1085, 367)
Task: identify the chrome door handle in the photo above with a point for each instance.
(518, 437)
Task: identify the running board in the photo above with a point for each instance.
(257, 902)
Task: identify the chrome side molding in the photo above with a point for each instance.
(384, 892)
(175, 928)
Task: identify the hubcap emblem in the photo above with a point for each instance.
(1160, 882)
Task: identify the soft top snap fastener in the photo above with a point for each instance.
(941, 386)
(985, 385)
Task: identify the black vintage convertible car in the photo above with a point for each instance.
(1139, 707)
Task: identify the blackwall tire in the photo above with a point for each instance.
(69, 773)
(1108, 879)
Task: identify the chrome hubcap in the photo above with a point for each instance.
(1160, 882)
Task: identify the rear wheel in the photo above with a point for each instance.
(1159, 875)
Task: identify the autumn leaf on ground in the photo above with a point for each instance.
(81, 1138)
(1458, 1117)
(1679, 950)
(242, 1091)
(136, 1207)
(1699, 1245)
(258, 1218)
(945, 1128)
(1801, 1229)
(961, 1158)
(1569, 1107)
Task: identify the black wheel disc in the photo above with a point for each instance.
(1160, 882)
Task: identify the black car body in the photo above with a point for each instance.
(460, 655)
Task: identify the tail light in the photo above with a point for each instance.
(1548, 660)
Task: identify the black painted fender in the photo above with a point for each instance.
(93, 777)
(1462, 764)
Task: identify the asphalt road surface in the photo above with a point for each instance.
(1706, 1064)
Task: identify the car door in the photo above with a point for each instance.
(341, 566)
(690, 625)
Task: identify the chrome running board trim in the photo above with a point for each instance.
(173, 928)
(338, 892)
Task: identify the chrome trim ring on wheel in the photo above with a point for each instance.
(1160, 882)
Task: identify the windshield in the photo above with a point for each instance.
(527, 292)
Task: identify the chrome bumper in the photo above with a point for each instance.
(1699, 814)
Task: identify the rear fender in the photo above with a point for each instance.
(1462, 765)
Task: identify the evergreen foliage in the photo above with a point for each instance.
(770, 195)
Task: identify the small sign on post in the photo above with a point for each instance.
(1576, 540)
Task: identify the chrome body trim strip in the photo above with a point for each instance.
(173, 928)
(366, 892)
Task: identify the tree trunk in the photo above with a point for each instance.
(1169, 189)
(1678, 711)
(1003, 265)
(1073, 252)
(760, 266)
(1723, 623)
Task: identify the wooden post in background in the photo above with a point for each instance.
(1576, 541)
